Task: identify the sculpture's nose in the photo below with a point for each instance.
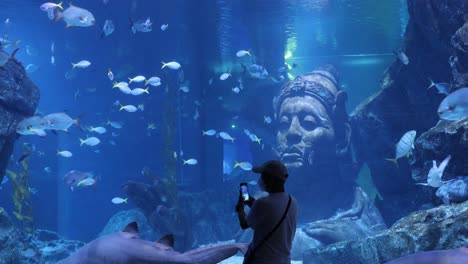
(294, 134)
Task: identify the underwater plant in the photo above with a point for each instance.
(21, 194)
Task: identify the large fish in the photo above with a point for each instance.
(404, 146)
(31, 126)
(454, 106)
(452, 256)
(59, 121)
(126, 247)
(74, 177)
(75, 17)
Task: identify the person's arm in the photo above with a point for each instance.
(242, 219)
(241, 213)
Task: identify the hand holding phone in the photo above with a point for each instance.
(244, 189)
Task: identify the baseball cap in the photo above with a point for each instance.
(273, 168)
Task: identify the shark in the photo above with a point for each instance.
(126, 247)
(451, 256)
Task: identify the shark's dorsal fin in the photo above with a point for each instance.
(167, 240)
(131, 228)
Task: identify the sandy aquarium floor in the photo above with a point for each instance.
(238, 260)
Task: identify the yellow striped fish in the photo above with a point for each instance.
(404, 146)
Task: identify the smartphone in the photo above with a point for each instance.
(244, 191)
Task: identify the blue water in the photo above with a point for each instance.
(356, 36)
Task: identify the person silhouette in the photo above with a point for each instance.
(273, 218)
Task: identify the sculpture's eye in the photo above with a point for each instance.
(284, 123)
(309, 123)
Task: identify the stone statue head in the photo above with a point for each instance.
(313, 128)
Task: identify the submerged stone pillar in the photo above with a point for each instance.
(19, 98)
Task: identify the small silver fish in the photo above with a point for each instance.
(434, 177)
(108, 28)
(210, 132)
(4, 57)
(255, 71)
(443, 88)
(141, 25)
(226, 136)
(31, 51)
(401, 56)
(30, 68)
(404, 146)
(190, 162)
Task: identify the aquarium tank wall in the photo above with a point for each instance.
(125, 122)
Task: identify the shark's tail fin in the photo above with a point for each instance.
(243, 247)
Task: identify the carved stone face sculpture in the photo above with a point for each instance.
(312, 121)
(305, 129)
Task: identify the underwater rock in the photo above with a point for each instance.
(446, 138)
(211, 215)
(454, 191)
(15, 246)
(198, 218)
(19, 98)
(163, 211)
(144, 196)
(362, 220)
(44, 247)
(118, 221)
(443, 227)
(403, 103)
(9, 240)
(45, 235)
(459, 62)
(52, 248)
(301, 243)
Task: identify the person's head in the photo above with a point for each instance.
(312, 121)
(273, 176)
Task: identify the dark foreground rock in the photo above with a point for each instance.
(19, 98)
(444, 227)
(44, 247)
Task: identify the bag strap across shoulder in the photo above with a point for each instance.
(272, 231)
